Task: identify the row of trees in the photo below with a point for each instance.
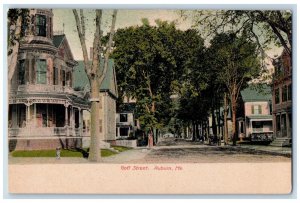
(155, 62)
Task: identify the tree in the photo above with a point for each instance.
(93, 72)
(237, 61)
(148, 60)
(264, 26)
(17, 23)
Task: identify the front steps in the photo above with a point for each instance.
(282, 142)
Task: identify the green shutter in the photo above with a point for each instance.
(252, 109)
(259, 109)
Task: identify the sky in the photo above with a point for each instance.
(64, 20)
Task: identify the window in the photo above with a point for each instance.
(41, 25)
(289, 92)
(277, 96)
(21, 74)
(284, 93)
(124, 131)
(256, 109)
(278, 68)
(63, 75)
(278, 126)
(55, 76)
(283, 121)
(41, 72)
(242, 127)
(257, 126)
(123, 117)
(68, 78)
(135, 122)
(290, 120)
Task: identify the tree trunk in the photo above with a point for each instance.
(234, 108)
(214, 126)
(94, 75)
(219, 119)
(194, 131)
(225, 120)
(197, 131)
(94, 153)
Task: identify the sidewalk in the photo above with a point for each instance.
(284, 151)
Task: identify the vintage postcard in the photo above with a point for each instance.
(158, 101)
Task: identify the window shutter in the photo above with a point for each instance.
(259, 109)
(252, 109)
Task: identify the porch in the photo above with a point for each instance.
(40, 120)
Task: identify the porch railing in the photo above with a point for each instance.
(45, 132)
(48, 89)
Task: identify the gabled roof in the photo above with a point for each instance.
(257, 93)
(62, 41)
(109, 82)
(58, 39)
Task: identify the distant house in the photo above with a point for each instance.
(256, 123)
(125, 120)
(282, 100)
(108, 96)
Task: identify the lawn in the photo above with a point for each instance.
(64, 153)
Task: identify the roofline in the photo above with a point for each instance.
(110, 93)
(61, 40)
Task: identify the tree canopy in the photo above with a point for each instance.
(151, 63)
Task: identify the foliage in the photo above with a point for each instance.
(12, 16)
(266, 27)
(237, 61)
(237, 64)
(150, 64)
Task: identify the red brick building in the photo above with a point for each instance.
(282, 100)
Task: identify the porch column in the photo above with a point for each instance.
(66, 115)
(66, 120)
(27, 114)
(72, 120)
(250, 127)
(80, 121)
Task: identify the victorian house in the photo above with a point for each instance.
(282, 100)
(44, 110)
